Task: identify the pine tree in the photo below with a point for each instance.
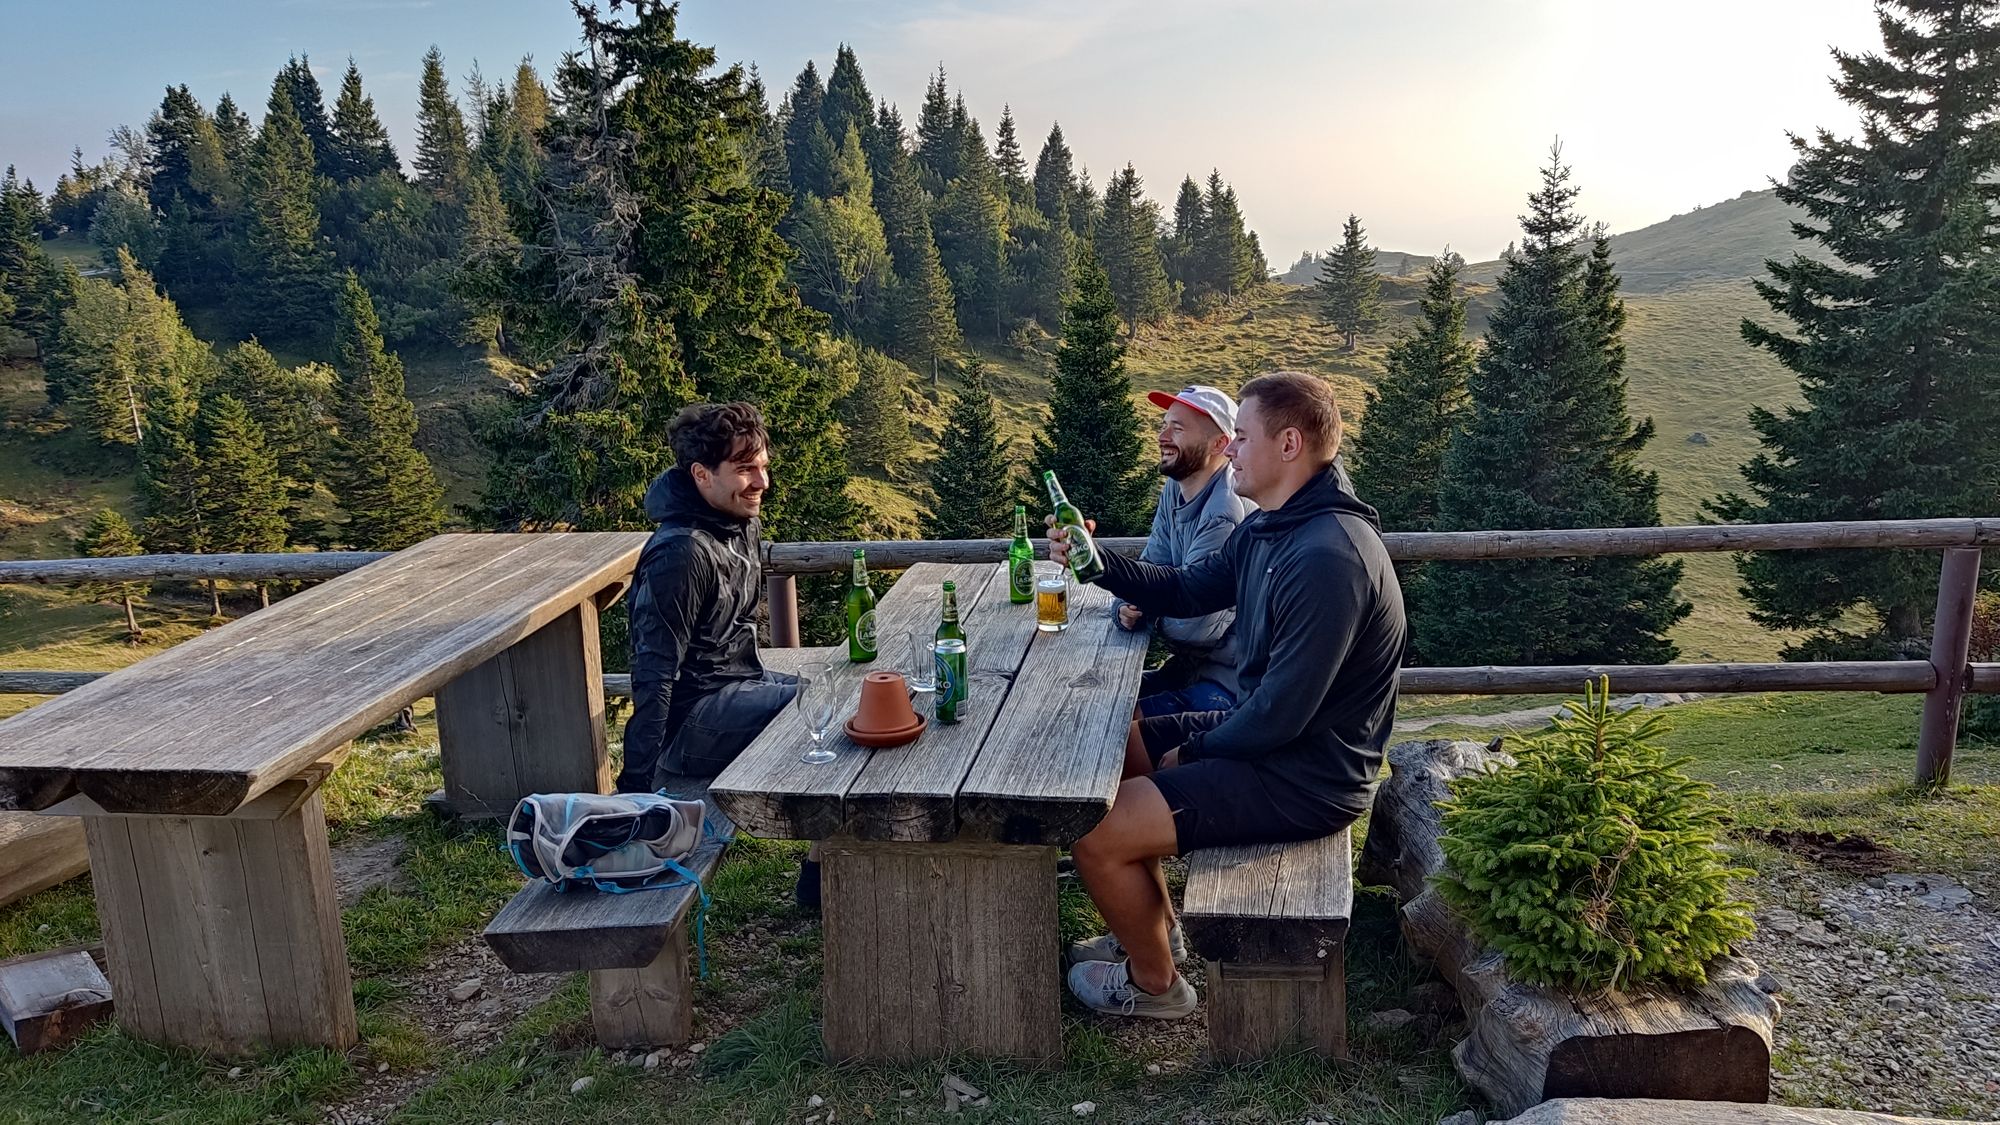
(972, 485)
(1055, 178)
(1397, 453)
(232, 128)
(381, 479)
(848, 104)
(1128, 244)
(1350, 290)
(291, 407)
(288, 272)
(972, 238)
(1894, 333)
(1548, 443)
(242, 493)
(842, 265)
(1228, 261)
(23, 264)
(621, 338)
(887, 144)
(444, 151)
(1094, 441)
(809, 150)
(940, 144)
(360, 145)
(108, 536)
(1007, 160)
(764, 149)
(923, 323)
(170, 477)
(309, 103)
(120, 346)
(876, 417)
(531, 99)
(171, 131)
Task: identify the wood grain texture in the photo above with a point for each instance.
(1260, 1012)
(530, 720)
(223, 935)
(213, 722)
(1270, 903)
(48, 999)
(1051, 763)
(650, 1006)
(938, 949)
(767, 790)
(910, 793)
(37, 852)
(1658, 1111)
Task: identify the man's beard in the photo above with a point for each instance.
(1183, 465)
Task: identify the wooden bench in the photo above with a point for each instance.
(196, 772)
(1269, 921)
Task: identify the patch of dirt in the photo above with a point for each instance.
(371, 863)
(1852, 855)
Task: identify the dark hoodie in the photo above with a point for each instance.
(694, 616)
(1319, 634)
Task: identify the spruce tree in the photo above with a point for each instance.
(972, 238)
(1094, 440)
(940, 144)
(1055, 178)
(620, 336)
(847, 104)
(923, 322)
(309, 103)
(171, 496)
(1007, 160)
(1548, 443)
(531, 99)
(232, 128)
(764, 149)
(1349, 288)
(1128, 244)
(1185, 244)
(973, 490)
(1397, 453)
(809, 150)
(842, 265)
(288, 273)
(243, 496)
(360, 145)
(119, 347)
(887, 144)
(391, 496)
(444, 150)
(876, 417)
(291, 408)
(1894, 332)
(108, 536)
(172, 136)
(1228, 259)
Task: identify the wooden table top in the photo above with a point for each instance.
(208, 725)
(1035, 759)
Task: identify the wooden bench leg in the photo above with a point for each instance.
(939, 949)
(649, 1007)
(1257, 1011)
(222, 933)
(530, 720)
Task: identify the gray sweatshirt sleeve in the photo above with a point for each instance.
(1157, 550)
(1202, 632)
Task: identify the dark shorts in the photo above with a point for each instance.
(1220, 801)
(723, 722)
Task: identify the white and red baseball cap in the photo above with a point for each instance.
(1219, 407)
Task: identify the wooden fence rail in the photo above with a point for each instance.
(1946, 678)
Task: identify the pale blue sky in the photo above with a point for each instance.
(1426, 117)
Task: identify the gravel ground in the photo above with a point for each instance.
(1891, 992)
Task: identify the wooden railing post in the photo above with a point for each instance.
(781, 594)
(1951, 638)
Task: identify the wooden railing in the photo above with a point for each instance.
(1945, 678)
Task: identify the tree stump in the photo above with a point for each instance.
(1528, 1043)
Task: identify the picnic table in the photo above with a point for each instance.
(939, 884)
(196, 772)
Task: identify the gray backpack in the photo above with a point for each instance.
(613, 842)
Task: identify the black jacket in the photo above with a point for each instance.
(1319, 631)
(694, 614)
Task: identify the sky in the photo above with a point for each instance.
(1427, 118)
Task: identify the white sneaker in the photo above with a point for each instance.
(1106, 986)
(1106, 947)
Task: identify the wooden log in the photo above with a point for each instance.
(223, 935)
(48, 999)
(1848, 675)
(781, 600)
(1654, 1111)
(37, 852)
(530, 720)
(650, 1006)
(288, 566)
(1983, 678)
(900, 554)
(1261, 1011)
(1527, 1043)
(933, 950)
(1958, 585)
(45, 683)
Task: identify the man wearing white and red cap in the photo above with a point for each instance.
(1198, 510)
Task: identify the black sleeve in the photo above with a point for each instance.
(1174, 591)
(674, 584)
(1317, 603)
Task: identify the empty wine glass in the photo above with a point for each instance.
(816, 708)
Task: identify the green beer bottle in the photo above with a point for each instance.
(1020, 560)
(1083, 560)
(948, 648)
(860, 613)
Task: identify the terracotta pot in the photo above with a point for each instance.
(885, 704)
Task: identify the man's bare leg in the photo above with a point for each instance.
(1139, 764)
(1119, 862)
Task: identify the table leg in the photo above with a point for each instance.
(222, 933)
(530, 720)
(939, 949)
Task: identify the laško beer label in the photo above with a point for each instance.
(1079, 547)
(864, 631)
(1022, 576)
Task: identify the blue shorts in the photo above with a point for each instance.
(1201, 695)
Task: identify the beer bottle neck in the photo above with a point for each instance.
(1020, 523)
(860, 571)
(950, 611)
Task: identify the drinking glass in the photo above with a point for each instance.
(1052, 599)
(816, 708)
(922, 670)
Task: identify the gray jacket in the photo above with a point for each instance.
(1184, 533)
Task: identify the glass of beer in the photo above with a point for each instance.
(1052, 599)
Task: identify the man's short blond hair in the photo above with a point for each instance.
(1296, 400)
